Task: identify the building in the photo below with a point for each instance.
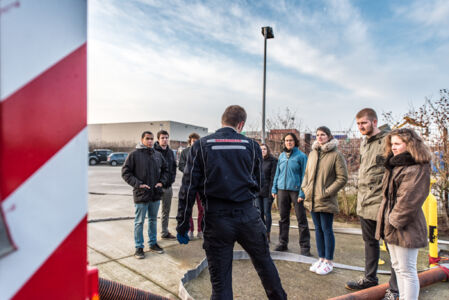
(125, 136)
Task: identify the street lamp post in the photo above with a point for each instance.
(267, 33)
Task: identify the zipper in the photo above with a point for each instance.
(314, 177)
(286, 169)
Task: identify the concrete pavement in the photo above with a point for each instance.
(111, 249)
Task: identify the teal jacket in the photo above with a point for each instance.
(290, 172)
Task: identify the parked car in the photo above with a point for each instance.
(98, 155)
(117, 158)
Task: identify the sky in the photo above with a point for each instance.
(187, 61)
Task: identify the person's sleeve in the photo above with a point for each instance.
(182, 161)
(341, 177)
(305, 180)
(128, 172)
(302, 171)
(411, 194)
(191, 180)
(273, 173)
(258, 174)
(274, 189)
(165, 173)
(173, 169)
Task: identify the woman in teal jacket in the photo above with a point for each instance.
(287, 186)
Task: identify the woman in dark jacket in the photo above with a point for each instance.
(400, 220)
(265, 200)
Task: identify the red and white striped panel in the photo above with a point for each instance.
(43, 148)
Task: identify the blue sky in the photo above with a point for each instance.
(187, 60)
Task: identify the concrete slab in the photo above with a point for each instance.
(111, 249)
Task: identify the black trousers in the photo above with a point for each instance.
(223, 228)
(372, 253)
(285, 198)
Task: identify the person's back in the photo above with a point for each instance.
(225, 168)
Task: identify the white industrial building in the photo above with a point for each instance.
(125, 136)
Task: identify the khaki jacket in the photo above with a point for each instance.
(371, 172)
(400, 220)
(325, 175)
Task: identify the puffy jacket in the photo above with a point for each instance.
(170, 158)
(290, 172)
(269, 170)
(325, 175)
(371, 172)
(183, 159)
(225, 168)
(405, 187)
(145, 166)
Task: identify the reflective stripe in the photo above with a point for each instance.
(225, 147)
(227, 141)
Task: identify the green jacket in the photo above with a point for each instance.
(325, 175)
(371, 172)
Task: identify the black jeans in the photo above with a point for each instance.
(285, 199)
(372, 253)
(222, 229)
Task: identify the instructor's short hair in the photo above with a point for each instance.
(367, 112)
(233, 115)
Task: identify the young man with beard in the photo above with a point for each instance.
(369, 197)
(162, 146)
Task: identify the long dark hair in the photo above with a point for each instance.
(268, 150)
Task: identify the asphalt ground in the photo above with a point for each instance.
(111, 249)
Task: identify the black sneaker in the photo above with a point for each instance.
(361, 284)
(139, 253)
(306, 252)
(281, 247)
(390, 295)
(168, 236)
(156, 248)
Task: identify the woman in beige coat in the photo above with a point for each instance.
(400, 220)
(325, 175)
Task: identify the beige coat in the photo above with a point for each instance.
(400, 220)
(325, 175)
(371, 172)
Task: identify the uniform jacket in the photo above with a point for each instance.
(145, 166)
(325, 175)
(224, 167)
(269, 170)
(290, 172)
(405, 187)
(371, 172)
(169, 156)
(183, 159)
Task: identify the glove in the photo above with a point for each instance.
(183, 238)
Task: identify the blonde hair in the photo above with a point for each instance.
(414, 144)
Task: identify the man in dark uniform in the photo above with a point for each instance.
(225, 168)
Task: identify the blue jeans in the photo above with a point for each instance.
(141, 210)
(324, 234)
(264, 206)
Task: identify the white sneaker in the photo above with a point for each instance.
(191, 236)
(324, 269)
(200, 235)
(315, 265)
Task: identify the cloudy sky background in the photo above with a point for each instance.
(187, 60)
